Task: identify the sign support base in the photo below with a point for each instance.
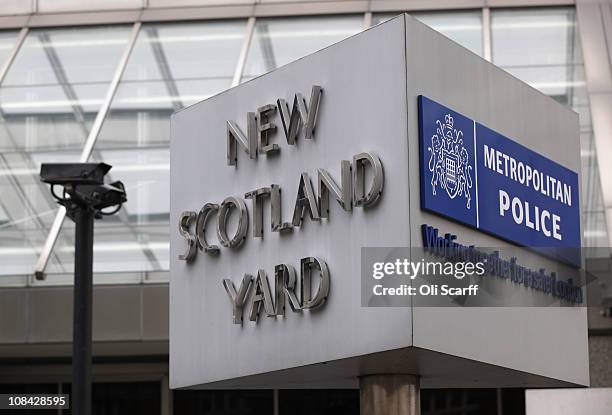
(389, 395)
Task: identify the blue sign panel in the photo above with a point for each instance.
(483, 179)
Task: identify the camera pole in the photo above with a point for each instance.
(85, 197)
(82, 311)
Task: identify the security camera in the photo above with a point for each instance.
(85, 197)
(101, 197)
(73, 174)
(84, 187)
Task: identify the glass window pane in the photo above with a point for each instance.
(14, 257)
(534, 37)
(464, 27)
(56, 84)
(226, 402)
(125, 396)
(318, 401)
(277, 42)
(48, 102)
(542, 48)
(8, 39)
(171, 66)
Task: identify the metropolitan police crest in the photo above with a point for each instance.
(449, 161)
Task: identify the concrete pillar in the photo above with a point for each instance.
(389, 395)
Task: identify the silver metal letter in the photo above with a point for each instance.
(309, 118)
(206, 211)
(359, 162)
(256, 196)
(343, 195)
(265, 128)
(276, 211)
(243, 222)
(290, 121)
(285, 288)
(235, 135)
(308, 300)
(185, 220)
(300, 115)
(305, 200)
(262, 295)
(238, 298)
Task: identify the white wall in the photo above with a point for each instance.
(594, 401)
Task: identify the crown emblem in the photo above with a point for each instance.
(449, 121)
(449, 161)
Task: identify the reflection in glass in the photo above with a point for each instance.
(48, 101)
(464, 27)
(55, 86)
(58, 80)
(534, 37)
(277, 42)
(8, 39)
(171, 66)
(542, 48)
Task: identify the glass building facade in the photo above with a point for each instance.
(105, 92)
(59, 79)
